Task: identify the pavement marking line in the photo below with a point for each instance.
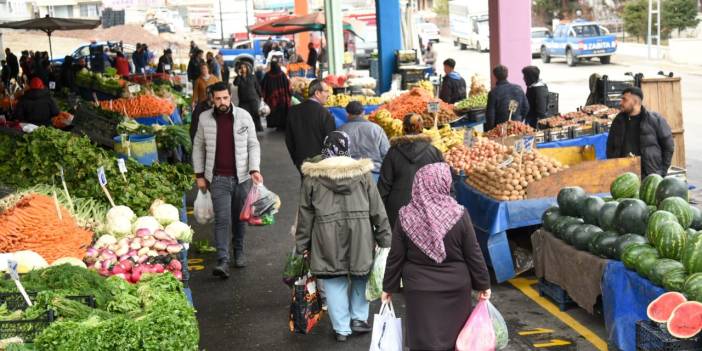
(197, 267)
(196, 260)
(553, 343)
(190, 212)
(535, 331)
(525, 286)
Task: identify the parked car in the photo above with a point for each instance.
(428, 32)
(538, 34)
(83, 51)
(578, 40)
(247, 50)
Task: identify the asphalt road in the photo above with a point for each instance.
(571, 83)
(249, 311)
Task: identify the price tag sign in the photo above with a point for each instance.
(134, 88)
(433, 107)
(167, 67)
(506, 162)
(52, 85)
(528, 142)
(102, 178)
(519, 146)
(12, 269)
(121, 165)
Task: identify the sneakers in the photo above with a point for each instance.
(360, 327)
(221, 270)
(340, 338)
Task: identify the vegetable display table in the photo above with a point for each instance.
(599, 141)
(625, 297)
(492, 219)
(341, 117)
(577, 272)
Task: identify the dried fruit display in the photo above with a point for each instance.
(510, 128)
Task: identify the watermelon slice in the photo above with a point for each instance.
(660, 309)
(686, 320)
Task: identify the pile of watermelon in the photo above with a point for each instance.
(648, 225)
(682, 318)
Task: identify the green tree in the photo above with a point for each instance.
(441, 7)
(678, 14)
(635, 17)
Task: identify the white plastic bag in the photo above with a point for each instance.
(203, 210)
(387, 330)
(374, 287)
(263, 109)
(499, 326)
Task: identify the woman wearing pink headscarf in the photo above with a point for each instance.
(436, 255)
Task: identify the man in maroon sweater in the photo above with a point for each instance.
(226, 160)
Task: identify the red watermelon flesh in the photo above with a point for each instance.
(660, 309)
(686, 320)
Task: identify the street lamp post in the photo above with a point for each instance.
(221, 24)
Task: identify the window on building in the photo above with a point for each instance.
(88, 10)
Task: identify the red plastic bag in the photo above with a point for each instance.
(251, 197)
(478, 333)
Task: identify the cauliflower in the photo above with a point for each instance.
(165, 213)
(120, 212)
(119, 227)
(180, 231)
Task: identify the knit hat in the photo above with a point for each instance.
(336, 144)
(634, 91)
(36, 84)
(354, 108)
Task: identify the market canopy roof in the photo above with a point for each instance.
(267, 28)
(313, 22)
(49, 24)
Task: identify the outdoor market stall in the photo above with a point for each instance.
(647, 225)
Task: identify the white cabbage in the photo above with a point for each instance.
(147, 222)
(180, 231)
(165, 213)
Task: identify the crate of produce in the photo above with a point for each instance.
(26, 329)
(559, 134)
(15, 301)
(552, 104)
(580, 131)
(555, 293)
(651, 337)
(98, 127)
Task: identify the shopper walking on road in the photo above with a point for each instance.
(226, 160)
(501, 97)
(436, 255)
(278, 95)
(308, 124)
(13, 64)
(340, 221)
(637, 131)
(312, 57)
(194, 65)
(406, 155)
(536, 94)
(249, 93)
(453, 88)
(200, 87)
(368, 140)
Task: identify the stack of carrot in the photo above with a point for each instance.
(146, 105)
(414, 101)
(34, 224)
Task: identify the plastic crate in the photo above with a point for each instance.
(650, 337)
(15, 301)
(552, 104)
(556, 293)
(99, 129)
(26, 329)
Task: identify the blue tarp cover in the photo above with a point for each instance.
(625, 297)
(341, 117)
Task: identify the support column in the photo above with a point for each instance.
(302, 39)
(334, 35)
(388, 17)
(510, 37)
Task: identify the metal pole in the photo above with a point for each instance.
(658, 29)
(246, 3)
(650, 22)
(221, 24)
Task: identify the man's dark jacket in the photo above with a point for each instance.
(37, 107)
(14, 65)
(657, 144)
(498, 104)
(307, 126)
(453, 88)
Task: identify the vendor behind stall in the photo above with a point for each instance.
(453, 88)
(639, 132)
(36, 105)
(500, 98)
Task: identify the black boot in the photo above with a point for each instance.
(221, 270)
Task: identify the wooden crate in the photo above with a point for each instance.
(663, 95)
(593, 176)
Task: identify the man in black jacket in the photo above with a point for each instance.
(13, 64)
(536, 94)
(500, 98)
(639, 132)
(453, 88)
(308, 124)
(194, 66)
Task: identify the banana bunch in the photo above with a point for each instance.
(391, 126)
(426, 85)
(450, 136)
(436, 139)
(338, 100)
(341, 100)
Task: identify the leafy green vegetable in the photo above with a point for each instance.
(35, 159)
